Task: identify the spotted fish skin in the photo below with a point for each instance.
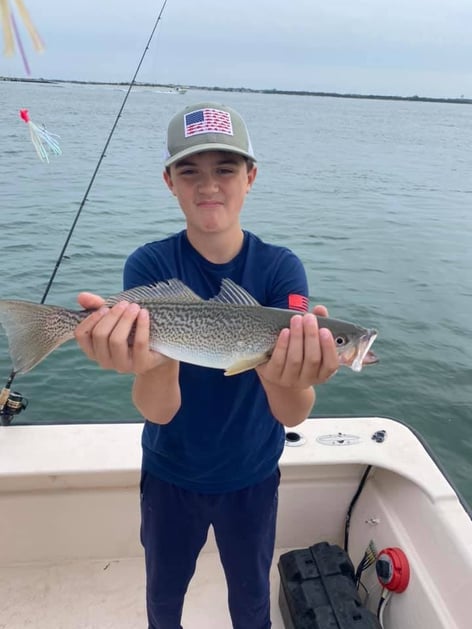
(216, 334)
(230, 331)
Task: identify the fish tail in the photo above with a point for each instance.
(35, 330)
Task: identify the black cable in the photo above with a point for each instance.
(6, 417)
(352, 505)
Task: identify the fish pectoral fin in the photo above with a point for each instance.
(246, 364)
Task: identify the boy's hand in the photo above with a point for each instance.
(304, 355)
(103, 336)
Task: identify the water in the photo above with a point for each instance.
(374, 196)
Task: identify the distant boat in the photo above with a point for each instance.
(177, 90)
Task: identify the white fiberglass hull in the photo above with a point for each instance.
(69, 516)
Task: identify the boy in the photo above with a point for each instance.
(211, 443)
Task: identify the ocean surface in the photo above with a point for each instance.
(374, 196)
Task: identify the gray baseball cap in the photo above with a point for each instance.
(206, 127)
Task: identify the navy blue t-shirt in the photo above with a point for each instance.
(224, 436)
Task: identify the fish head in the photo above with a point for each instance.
(353, 346)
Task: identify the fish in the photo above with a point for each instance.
(230, 331)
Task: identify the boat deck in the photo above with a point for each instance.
(102, 594)
(70, 556)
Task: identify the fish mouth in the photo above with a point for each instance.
(363, 355)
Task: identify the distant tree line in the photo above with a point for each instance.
(424, 99)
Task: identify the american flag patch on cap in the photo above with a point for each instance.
(298, 302)
(207, 121)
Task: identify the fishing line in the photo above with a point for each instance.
(11, 403)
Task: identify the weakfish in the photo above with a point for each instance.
(230, 331)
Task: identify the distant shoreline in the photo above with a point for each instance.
(415, 98)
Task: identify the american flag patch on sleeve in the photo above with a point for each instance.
(298, 302)
(207, 121)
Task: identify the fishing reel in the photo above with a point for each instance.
(11, 404)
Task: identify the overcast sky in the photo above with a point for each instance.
(399, 47)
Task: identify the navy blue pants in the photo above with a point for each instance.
(174, 528)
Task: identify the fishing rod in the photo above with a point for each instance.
(12, 402)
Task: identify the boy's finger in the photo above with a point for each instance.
(141, 336)
(311, 347)
(279, 353)
(90, 301)
(83, 332)
(321, 311)
(330, 360)
(295, 352)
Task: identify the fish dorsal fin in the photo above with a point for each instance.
(231, 293)
(174, 290)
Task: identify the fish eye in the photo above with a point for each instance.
(340, 340)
